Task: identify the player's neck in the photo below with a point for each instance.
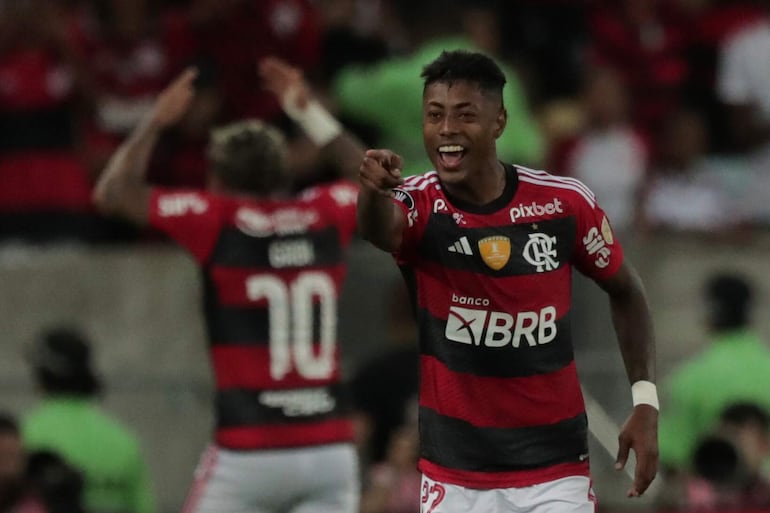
(481, 187)
(277, 193)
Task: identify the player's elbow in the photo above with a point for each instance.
(102, 198)
(107, 196)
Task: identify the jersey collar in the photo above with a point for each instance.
(511, 185)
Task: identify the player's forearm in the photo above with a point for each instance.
(338, 146)
(633, 326)
(345, 152)
(122, 183)
(377, 219)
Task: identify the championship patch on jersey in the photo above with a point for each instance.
(495, 251)
(404, 197)
(607, 231)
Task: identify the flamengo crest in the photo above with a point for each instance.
(540, 252)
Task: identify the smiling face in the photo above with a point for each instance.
(461, 123)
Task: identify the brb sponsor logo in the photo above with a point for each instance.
(487, 328)
(534, 210)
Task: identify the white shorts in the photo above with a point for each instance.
(566, 495)
(307, 480)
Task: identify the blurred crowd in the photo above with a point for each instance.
(659, 106)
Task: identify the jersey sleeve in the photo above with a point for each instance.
(598, 253)
(413, 201)
(191, 218)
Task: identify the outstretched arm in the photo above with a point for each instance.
(380, 221)
(122, 189)
(633, 325)
(337, 145)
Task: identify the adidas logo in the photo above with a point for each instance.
(461, 246)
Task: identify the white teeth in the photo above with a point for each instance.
(450, 148)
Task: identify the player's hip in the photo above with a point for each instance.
(571, 494)
(269, 480)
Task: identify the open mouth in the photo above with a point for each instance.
(451, 155)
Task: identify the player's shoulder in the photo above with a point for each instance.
(426, 181)
(341, 193)
(540, 185)
(417, 187)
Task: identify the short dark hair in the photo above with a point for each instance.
(8, 424)
(248, 156)
(467, 66)
(729, 298)
(61, 361)
(746, 413)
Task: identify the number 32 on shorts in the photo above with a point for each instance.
(432, 495)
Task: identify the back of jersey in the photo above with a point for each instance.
(273, 271)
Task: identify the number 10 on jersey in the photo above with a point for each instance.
(290, 314)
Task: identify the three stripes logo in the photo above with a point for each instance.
(461, 246)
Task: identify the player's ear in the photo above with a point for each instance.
(500, 121)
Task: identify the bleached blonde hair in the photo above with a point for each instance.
(248, 155)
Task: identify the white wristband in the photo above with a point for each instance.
(645, 392)
(319, 125)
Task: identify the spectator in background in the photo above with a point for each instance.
(727, 464)
(711, 23)
(54, 484)
(547, 39)
(393, 485)
(684, 192)
(385, 389)
(354, 32)
(608, 155)
(734, 367)
(132, 47)
(12, 463)
(235, 34)
(40, 482)
(69, 421)
(645, 41)
(744, 68)
(44, 188)
(388, 95)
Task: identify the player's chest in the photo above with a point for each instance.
(495, 245)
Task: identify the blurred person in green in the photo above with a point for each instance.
(387, 96)
(735, 367)
(70, 422)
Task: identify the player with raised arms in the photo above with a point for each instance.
(273, 264)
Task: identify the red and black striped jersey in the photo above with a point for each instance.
(500, 402)
(272, 270)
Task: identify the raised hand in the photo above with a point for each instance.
(174, 100)
(380, 171)
(285, 82)
(640, 433)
